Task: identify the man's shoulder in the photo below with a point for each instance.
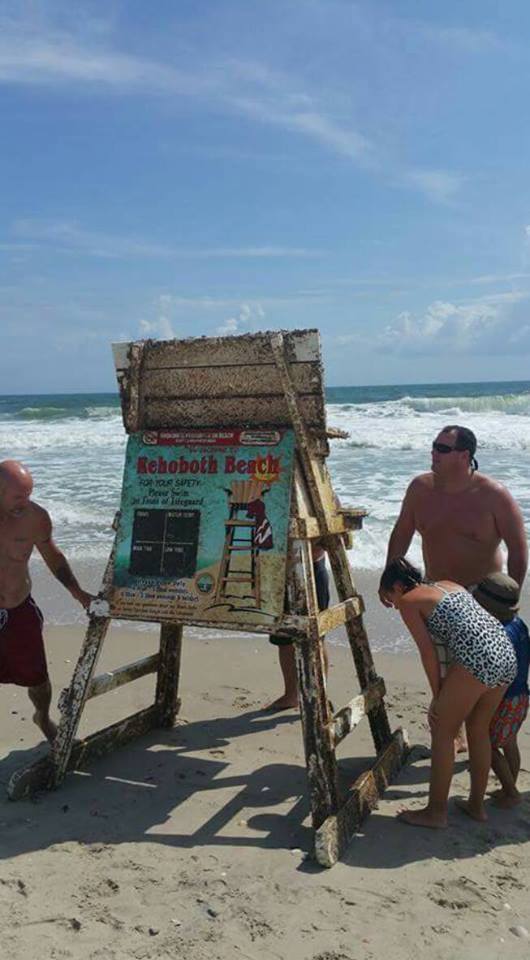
(424, 481)
(490, 487)
(37, 510)
(40, 517)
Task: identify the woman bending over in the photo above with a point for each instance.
(482, 664)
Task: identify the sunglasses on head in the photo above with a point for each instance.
(442, 447)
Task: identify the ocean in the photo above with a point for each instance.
(74, 445)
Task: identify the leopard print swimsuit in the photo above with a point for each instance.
(472, 637)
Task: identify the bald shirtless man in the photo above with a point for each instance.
(24, 525)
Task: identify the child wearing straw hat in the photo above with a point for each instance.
(499, 595)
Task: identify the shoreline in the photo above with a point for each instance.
(384, 627)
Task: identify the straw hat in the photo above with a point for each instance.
(499, 595)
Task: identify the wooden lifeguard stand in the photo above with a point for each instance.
(259, 381)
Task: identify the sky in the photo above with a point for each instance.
(214, 167)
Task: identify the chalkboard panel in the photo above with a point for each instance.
(164, 543)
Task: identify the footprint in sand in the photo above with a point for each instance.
(507, 882)
(461, 894)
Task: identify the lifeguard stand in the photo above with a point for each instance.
(259, 381)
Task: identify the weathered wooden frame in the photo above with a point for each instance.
(154, 397)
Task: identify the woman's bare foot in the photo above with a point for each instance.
(460, 741)
(282, 703)
(476, 813)
(423, 818)
(506, 801)
(45, 724)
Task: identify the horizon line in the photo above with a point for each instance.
(338, 386)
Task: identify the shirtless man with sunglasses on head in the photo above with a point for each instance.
(462, 517)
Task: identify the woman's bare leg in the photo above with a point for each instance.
(443, 659)
(459, 693)
(479, 744)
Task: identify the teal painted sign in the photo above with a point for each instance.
(203, 527)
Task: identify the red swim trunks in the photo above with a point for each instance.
(22, 657)
(509, 717)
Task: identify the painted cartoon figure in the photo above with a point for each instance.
(263, 531)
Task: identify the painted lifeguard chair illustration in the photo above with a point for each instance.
(247, 533)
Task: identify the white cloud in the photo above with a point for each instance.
(200, 303)
(65, 236)
(17, 247)
(467, 39)
(228, 328)
(212, 304)
(344, 141)
(37, 52)
(160, 328)
(44, 55)
(511, 296)
(59, 49)
(499, 278)
(438, 185)
(489, 325)
(69, 237)
(358, 338)
(250, 317)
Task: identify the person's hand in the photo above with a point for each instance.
(432, 713)
(384, 599)
(84, 598)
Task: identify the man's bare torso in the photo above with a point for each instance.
(18, 536)
(460, 539)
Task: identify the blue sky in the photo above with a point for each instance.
(184, 168)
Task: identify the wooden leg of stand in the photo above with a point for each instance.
(169, 672)
(318, 739)
(334, 834)
(359, 643)
(315, 712)
(73, 699)
(39, 776)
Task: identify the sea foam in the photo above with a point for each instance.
(74, 445)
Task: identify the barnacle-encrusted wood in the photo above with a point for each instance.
(220, 381)
(256, 380)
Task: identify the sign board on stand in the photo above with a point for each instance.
(202, 531)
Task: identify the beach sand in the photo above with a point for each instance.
(195, 842)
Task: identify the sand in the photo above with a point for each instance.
(195, 842)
